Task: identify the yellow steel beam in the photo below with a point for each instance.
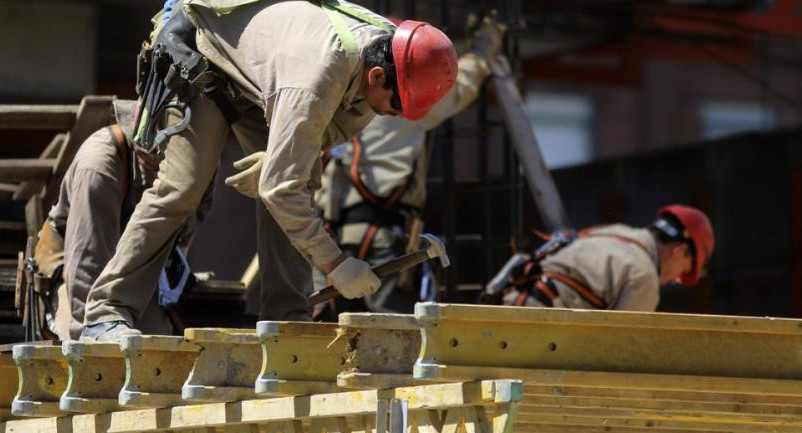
(96, 374)
(42, 379)
(299, 358)
(381, 350)
(512, 337)
(226, 366)
(9, 382)
(156, 367)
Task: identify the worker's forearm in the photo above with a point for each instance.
(328, 267)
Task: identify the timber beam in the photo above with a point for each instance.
(381, 350)
(481, 407)
(96, 374)
(226, 366)
(42, 379)
(157, 366)
(299, 358)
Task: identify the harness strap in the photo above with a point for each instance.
(122, 151)
(579, 288)
(626, 240)
(367, 241)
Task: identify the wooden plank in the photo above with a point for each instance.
(226, 366)
(157, 367)
(37, 116)
(549, 338)
(94, 113)
(299, 358)
(29, 188)
(96, 375)
(34, 216)
(606, 418)
(12, 225)
(282, 415)
(18, 170)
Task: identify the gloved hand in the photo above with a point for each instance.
(353, 278)
(246, 182)
(487, 39)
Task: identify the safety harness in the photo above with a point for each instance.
(531, 280)
(376, 211)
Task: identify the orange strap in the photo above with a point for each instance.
(367, 240)
(579, 288)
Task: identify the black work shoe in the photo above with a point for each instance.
(108, 332)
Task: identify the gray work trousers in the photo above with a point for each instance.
(89, 209)
(187, 164)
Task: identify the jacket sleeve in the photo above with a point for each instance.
(472, 71)
(291, 171)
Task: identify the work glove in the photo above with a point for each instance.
(354, 279)
(487, 38)
(246, 182)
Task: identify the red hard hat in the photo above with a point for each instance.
(699, 230)
(425, 64)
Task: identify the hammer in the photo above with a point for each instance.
(433, 248)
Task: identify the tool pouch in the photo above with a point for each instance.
(170, 73)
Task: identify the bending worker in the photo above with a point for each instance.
(614, 267)
(97, 196)
(375, 183)
(315, 74)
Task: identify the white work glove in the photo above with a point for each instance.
(353, 278)
(246, 182)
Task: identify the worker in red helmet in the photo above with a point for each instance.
(374, 187)
(613, 267)
(289, 78)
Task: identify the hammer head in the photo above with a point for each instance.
(436, 249)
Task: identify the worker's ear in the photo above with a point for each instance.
(376, 76)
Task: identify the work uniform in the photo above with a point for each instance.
(97, 195)
(390, 159)
(617, 263)
(292, 75)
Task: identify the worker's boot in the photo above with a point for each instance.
(111, 332)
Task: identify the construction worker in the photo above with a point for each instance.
(373, 184)
(97, 196)
(613, 267)
(314, 73)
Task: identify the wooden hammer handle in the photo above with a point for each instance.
(385, 269)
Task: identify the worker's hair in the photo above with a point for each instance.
(380, 53)
(668, 229)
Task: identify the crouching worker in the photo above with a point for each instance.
(97, 197)
(613, 267)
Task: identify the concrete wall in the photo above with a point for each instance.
(48, 50)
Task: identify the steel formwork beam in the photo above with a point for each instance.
(381, 349)
(96, 374)
(611, 341)
(42, 379)
(299, 358)
(226, 366)
(9, 382)
(157, 366)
